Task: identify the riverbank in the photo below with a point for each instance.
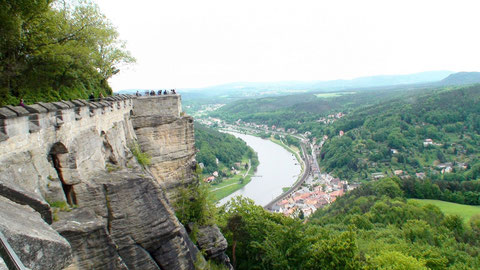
(232, 184)
(278, 168)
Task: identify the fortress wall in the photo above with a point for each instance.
(164, 105)
(28, 133)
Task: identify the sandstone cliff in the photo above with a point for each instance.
(115, 214)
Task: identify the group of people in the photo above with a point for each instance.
(159, 92)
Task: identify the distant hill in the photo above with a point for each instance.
(247, 89)
(461, 78)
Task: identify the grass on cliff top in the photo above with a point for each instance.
(464, 211)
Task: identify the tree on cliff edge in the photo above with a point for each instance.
(51, 50)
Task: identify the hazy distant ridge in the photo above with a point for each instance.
(461, 78)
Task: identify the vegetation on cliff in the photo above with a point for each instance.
(228, 149)
(56, 49)
(372, 227)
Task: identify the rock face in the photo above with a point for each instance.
(36, 244)
(213, 243)
(130, 226)
(170, 142)
(77, 154)
(90, 241)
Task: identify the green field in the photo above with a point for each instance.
(230, 185)
(465, 211)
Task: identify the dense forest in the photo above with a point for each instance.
(371, 227)
(435, 133)
(303, 111)
(228, 149)
(406, 130)
(56, 49)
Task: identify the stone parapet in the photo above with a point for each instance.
(162, 105)
(17, 120)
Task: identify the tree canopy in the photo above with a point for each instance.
(371, 227)
(56, 49)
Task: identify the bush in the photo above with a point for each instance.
(142, 157)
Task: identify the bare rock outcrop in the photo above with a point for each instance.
(129, 218)
(36, 244)
(91, 244)
(170, 141)
(212, 242)
(75, 155)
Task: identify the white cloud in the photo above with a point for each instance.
(200, 43)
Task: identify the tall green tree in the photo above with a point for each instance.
(51, 50)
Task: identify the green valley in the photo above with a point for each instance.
(227, 162)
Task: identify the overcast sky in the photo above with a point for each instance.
(183, 44)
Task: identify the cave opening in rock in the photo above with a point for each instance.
(58, 153)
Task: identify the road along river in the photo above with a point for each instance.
(278, 168)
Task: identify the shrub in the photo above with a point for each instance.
(142, 157)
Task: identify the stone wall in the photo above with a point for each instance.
(77, 153)
(165, 105)
(87, 132)
(167, 135)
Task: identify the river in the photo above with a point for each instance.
(278, 168)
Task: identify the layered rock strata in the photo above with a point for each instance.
(37, 245)
(128, 224)
(170, 143)
(114, 213)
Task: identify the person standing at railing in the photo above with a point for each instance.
(21, 103)
(91, 97)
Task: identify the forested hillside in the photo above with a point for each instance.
(435, 133)
(56, 49)
(372, 227)
(303, 111)
(212, 145)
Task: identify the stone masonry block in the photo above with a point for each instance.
(19, 110)
(49, 106)
(6, 113)
(61, 105)
(35, 108)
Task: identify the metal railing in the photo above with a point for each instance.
(9, 256)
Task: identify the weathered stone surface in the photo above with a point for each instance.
(128, 217)
(60, 105)
(49, 106)
(139, 221)
(3, 266)
(80, 102)
(37, 245)
(165, 105)
(171, 144)
(140, 215)
(92, 246)
(16, 194)
(213, 243)
(19, 110)
(6, 113)
(35, 108)
(68, 103)
(93, 105)
(3, 137)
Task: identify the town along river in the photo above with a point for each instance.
(278, 168)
